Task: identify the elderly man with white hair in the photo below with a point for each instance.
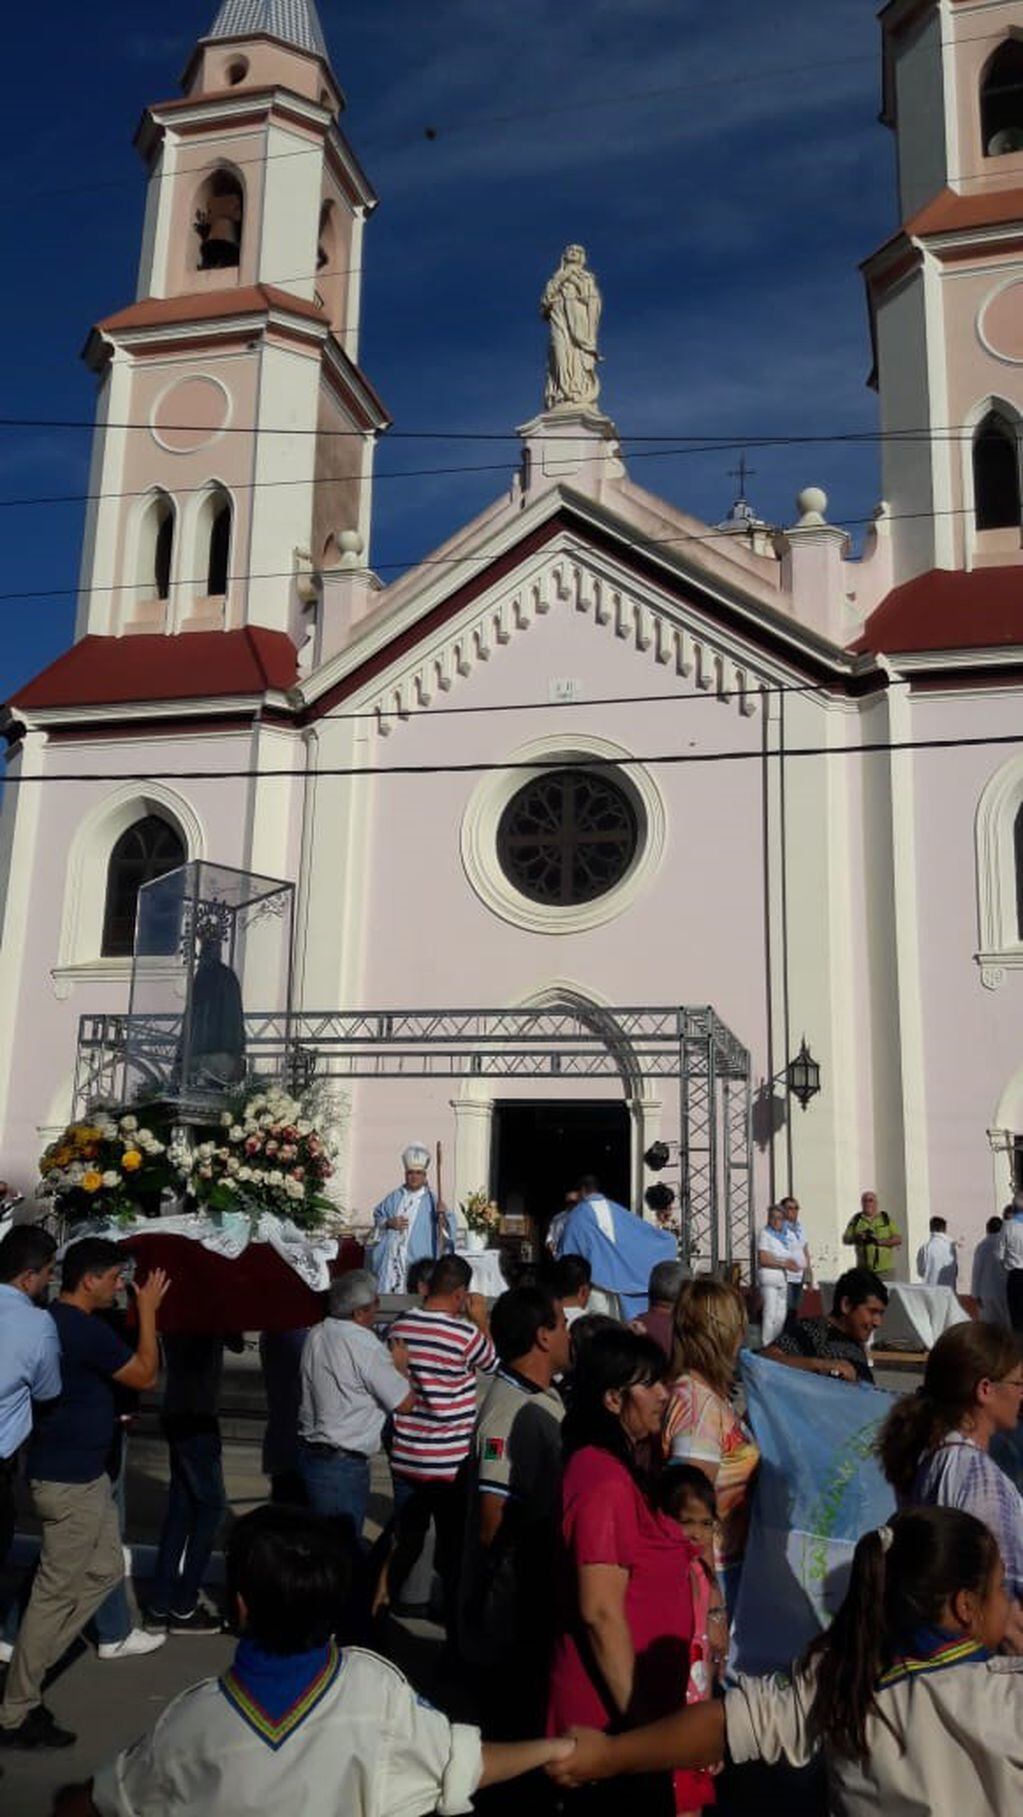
(409, 1224)
(351, 1384)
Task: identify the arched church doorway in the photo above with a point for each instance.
(541, 1147)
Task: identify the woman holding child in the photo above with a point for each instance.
(701, 1426)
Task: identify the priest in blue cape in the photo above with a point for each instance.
(620, 1248)
(410, 1224)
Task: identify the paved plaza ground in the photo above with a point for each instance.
(109, 1703)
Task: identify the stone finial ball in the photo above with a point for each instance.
(350, 542)
(812, 502)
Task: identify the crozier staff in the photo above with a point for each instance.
(410, 1224)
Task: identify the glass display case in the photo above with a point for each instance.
(210, 1002)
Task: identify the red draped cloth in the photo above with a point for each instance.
(255, 1292)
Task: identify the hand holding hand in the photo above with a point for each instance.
(590, 1758)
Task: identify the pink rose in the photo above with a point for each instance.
(251, 1145)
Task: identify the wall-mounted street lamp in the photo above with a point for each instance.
(803, 1076)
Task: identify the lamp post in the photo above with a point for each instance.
(803, 1075)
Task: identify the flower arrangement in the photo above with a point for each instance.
(265, 1155)
(481, 1214)
(102, 1167)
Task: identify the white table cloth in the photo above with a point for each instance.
(917, 1315)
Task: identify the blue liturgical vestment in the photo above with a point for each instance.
(384, 1255)
(620, 1248)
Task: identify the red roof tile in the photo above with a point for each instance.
(202, 306)
(109, 671)
(951, 212)
(946, 610)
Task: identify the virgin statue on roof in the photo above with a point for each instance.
(571, 306)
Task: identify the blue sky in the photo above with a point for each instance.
(722, 164)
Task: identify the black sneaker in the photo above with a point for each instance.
(39, 1730)
(200, 1621)
(154, 1620)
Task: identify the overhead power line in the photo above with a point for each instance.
(454, 561)
(536, 766)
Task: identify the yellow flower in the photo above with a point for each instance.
(92, 1181)
(130, 1160)
(84, 1133)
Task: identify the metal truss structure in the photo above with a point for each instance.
(119, 1055)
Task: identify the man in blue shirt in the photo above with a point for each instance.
(80, 1557)
(29, 1354)
(795, 1237)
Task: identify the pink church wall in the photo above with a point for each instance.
(695, 935)
(971, 1034)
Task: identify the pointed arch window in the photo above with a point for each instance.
(149, 848)
(1001, 101)
(218, 544)
(219, 221)
(156, 548)
(996, 473)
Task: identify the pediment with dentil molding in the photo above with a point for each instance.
(674, 640)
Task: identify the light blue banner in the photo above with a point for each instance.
(818, 1490)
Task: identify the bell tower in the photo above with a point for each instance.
(235, 430)
(946, 291)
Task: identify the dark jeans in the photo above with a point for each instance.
(416, 1504)
(195, 1509)
(793, 1295)
(336, 1482)
(8, 1478)
(1014, 1294)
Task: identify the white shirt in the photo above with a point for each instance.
(961, 1728)
(770, 1242)
(936, 1261)
(349, 1386)
(369, 1748)
(795, 1238)
(1011, 1243)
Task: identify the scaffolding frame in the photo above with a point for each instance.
(689, 1044)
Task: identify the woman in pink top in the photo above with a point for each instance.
(622, 1653)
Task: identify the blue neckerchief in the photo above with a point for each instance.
(275, 1692)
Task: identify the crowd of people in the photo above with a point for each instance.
(586, 1482)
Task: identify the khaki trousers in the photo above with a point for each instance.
(80, 1561)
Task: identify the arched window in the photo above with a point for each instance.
(156, 548)
(996, 488)
(146, 850)
(219, 218)
(1001, 101)
(219, 544)
(1017, 835)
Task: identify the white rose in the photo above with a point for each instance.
(145, 1135)
(236, 1133)
(129, 1123)
(111, 1179)
(244, 1173)
(275, 1178)
(294, 1189)
(225, 1118)
(304, 1127)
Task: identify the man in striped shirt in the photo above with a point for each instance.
(447, 1345)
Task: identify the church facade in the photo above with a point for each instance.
(593, 755)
